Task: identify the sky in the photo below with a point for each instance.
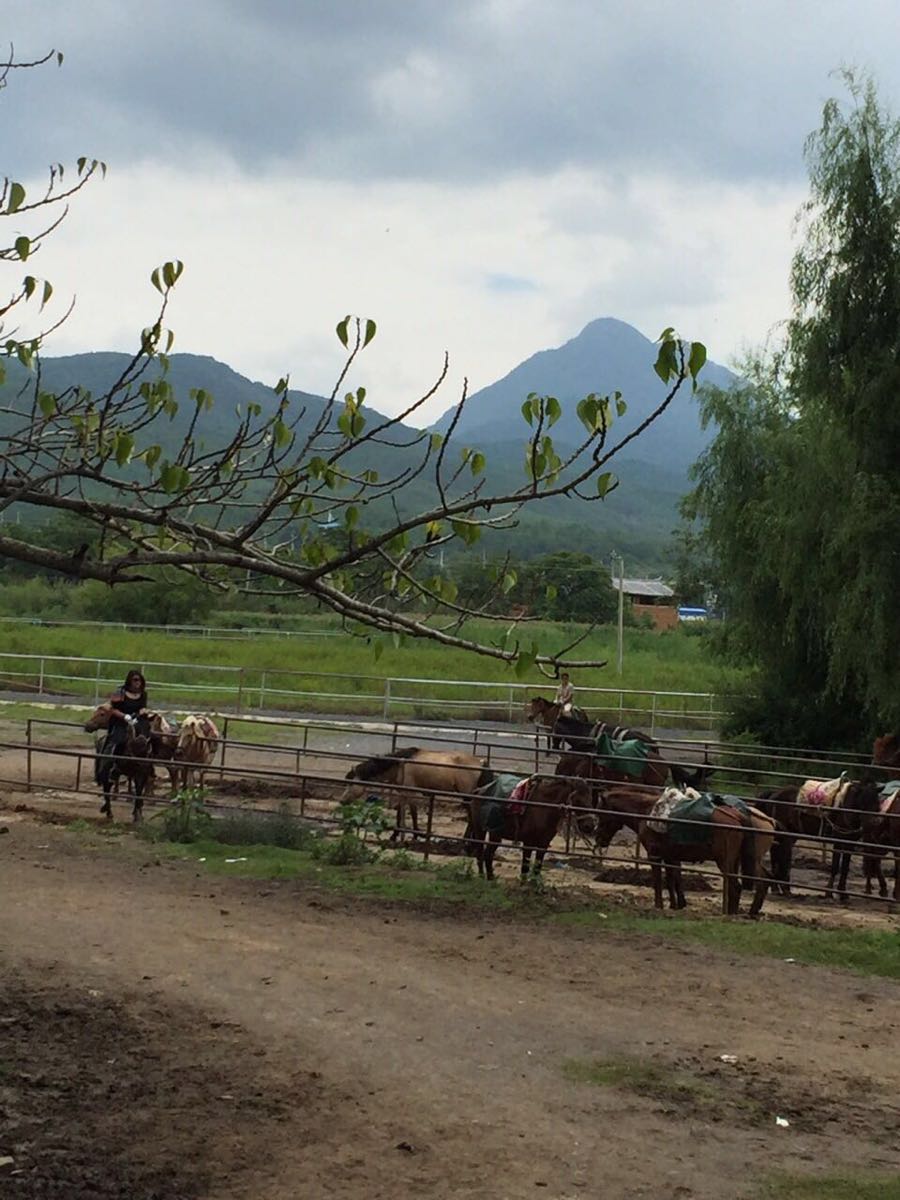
(481, 177)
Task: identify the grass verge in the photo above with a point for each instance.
(831, 1187)
(866, 951)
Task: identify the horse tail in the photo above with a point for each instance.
(748, 854)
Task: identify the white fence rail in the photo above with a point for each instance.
(243, 689)
(212, 632)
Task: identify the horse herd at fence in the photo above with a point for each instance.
(674, 822)
(606, 779)
(184, 750)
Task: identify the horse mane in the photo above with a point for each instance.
(376, 768)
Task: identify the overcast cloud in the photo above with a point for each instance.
(484, 176)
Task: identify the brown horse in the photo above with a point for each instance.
(884, 830)
(737, 844)
(163, 742)
(542, 807)
(429, 772)
(851, 817)
(886, 753)
(541, 711)
(131, 758)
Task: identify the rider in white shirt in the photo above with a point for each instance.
(565, 694)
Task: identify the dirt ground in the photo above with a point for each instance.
(169, 1036)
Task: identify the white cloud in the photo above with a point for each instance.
(272, 263)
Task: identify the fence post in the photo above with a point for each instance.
(429, 820)
(224, 748)
(28, 755)
(97, 683)
(240, 691)
(653, 716)
(511, 690)
(387, 697)
(262, 688)
(41, 679)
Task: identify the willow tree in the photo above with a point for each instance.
(284, 498)
(799, 493)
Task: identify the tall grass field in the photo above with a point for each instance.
(329, 670)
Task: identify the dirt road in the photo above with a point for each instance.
(164, 1034)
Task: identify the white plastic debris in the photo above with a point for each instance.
(790, 960)
(782, 1121)
(201, 859)
(6, 1161)
(728, 1058)
(234, 860)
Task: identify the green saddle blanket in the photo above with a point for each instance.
(689, 817)
(625, 757)
(496, 793)
(890, 788)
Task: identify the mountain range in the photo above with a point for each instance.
(607, 356)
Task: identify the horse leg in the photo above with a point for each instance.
(674, 886)
(787, 862)
(491, 849)
(845, 870)
(761, 886)
(835, 868)
(414, 817)
(897, 874)
(526, 861)
(656, 873)
(539, 860)
(398, 820)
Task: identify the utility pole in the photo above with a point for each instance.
(621, 646)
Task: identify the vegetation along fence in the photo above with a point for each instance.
(247, 688)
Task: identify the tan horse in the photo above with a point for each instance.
(450, 773)
(198, 740)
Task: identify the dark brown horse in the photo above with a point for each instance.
(850, 819)
(535, 826)
(541, 711)
(736, 843)
(886, 754)
(884, 831)
(418, 769)
(130, 757)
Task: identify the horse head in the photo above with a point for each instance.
(536, 709)
(98, 720)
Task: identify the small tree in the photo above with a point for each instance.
(244, 511)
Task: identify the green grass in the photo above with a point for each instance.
(375, 881)
(659, 1082)
(865, 951)
(672, 661)
(854, 1186)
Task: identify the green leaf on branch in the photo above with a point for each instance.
(621, 406)
(477, 463)
(341, 330)
(666, 364)
(16, 197)
(151, 456)
(370, 332)
(437, 440)
(696, 361)
(124, 448)
(510, 579)
(528, 412)
(281, 434)
(47, 403)
(466, 531)
(525, 661)
(553, 409)
(23, 248)
(605, 483)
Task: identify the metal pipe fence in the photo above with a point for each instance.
(303, 778)
(90, 679)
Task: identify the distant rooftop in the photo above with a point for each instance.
(644, 587)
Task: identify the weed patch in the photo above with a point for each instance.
(831, 1187)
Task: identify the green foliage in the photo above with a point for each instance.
(563, 586)
(183, 600)
(185, 819)
(799, 493)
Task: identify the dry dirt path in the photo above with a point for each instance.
(331, 1033)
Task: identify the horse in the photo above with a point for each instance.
(198, 739)
(131, 759)
(885, 831)
(886, 753)
(532, 819)
(846, 808)
(429, 772)
(541, 711)
(163, 742)
(736, 843)
(653, 770)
